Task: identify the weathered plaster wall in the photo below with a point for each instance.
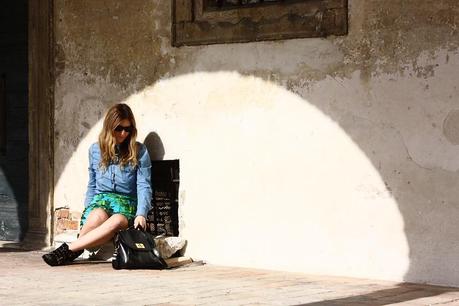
(338, 154)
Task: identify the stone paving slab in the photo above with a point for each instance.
(26, 280)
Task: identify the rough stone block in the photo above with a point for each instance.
(75, 215)
(65, 224)
(62, 213)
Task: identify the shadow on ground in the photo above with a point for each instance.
(400, 294)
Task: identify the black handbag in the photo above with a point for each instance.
(135, 249)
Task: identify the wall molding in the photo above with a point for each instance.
(195, 24)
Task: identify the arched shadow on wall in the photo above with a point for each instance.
(413, 186)
(404, 180)
(385, 148)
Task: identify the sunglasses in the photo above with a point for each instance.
(127, 129)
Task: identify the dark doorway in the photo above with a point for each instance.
(163, 217)
(13, 120)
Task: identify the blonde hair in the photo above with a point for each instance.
(107, 141)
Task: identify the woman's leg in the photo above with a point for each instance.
(100, 234)
(96, 217)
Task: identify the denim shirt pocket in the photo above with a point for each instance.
(102, 173)
(103, 178)
(127, 174)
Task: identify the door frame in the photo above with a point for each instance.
(41, 123)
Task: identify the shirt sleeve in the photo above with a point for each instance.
(144, 190)
(92, 180)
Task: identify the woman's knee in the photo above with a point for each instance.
(98, 215)
(95, 218)
(117, 222)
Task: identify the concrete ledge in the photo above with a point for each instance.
(67, 237)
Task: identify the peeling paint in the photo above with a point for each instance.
(124, 50)
(396, 33)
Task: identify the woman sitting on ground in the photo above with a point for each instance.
(119, 190)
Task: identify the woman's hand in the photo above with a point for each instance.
(140, 221)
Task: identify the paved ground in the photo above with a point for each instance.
(26, 280)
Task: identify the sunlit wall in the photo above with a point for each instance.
(328, 156)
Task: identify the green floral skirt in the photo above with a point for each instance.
(112, 203)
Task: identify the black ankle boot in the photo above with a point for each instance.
(61, 256)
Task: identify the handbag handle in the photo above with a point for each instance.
(140, 228)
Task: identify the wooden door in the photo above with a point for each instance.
(13, 120)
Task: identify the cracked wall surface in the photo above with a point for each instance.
(341, 152)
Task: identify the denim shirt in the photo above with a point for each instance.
(129, 180)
